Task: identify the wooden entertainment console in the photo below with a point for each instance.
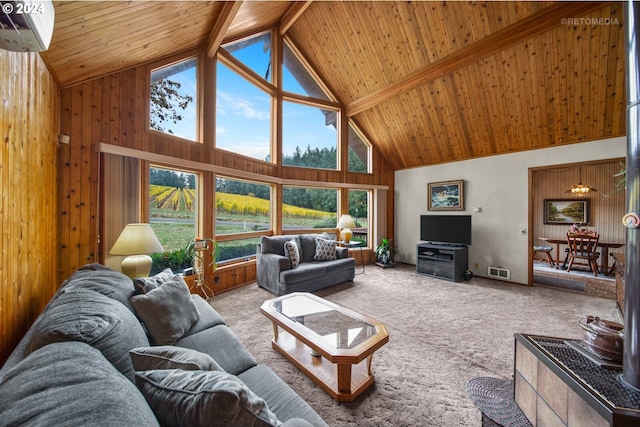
(443, 261)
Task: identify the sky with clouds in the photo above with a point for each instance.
(243, 111)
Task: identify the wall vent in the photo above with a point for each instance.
(499, 273)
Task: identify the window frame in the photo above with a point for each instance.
(311, 229)
(352, 125)
(232, 63)
(369, 216)
(199, 101)
(247, 234)
(199, 199)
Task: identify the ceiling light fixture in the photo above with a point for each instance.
(580, 189)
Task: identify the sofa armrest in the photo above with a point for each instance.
(268, 268)
(342, 252)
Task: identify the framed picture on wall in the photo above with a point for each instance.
(566, 211)
(446, 195)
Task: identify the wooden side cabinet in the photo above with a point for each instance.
(447, 262)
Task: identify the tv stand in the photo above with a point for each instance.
(442, 260)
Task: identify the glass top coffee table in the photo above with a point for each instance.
(331, 344)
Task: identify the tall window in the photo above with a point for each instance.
(309, 136)
(359, 151)
(255, 53)
(173, 207)
(172, 106)
(241, 207)
(243, 116)
(359, 209)
(297, 78)
(243, 108)
(305, 208)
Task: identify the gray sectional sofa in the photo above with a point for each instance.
(318, 263)
(102, 354)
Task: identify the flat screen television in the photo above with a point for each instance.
(449, 229)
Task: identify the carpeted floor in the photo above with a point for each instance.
(442, 334)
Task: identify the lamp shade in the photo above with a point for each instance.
(346, 221)
(136, 239)
(580, 189)
(345, 224)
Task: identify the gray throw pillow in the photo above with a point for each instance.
(171, 357)
(203, 398)
(70, 384)
(325, 249)
(90, 317)
(168, 312)
(291, 249)
(146, 284)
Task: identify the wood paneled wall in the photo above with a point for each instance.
(28, 238)
(607, 205)
(113, 110)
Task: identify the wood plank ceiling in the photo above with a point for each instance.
(428, 82)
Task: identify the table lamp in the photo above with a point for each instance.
(345, 224)
(136, 241)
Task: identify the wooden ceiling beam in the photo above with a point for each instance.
(228, 12)
(292, 15)
(525, 29)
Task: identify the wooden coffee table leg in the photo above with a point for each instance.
(344, 378)
(275, 331)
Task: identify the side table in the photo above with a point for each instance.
(352, 244)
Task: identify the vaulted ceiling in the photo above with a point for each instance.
(428, 82)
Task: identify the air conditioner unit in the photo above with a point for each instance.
(26, 25)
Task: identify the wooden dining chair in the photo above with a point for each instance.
(583, 246)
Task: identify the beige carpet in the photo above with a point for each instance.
(442, 334)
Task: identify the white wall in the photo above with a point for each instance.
(499, 186)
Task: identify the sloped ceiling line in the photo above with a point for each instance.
(228, 13)
(294, 12)
(535, 24)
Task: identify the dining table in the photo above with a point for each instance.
(604, 255)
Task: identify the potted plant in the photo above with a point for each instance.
(384, 251)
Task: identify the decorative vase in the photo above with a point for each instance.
(384, 257)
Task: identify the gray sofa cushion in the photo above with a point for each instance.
(171, 357)
(103, 280)
(90, 317)
(308, 245)
(275, 244)
(305, 271)
(168, 312)
(208, 315)
(70, 384)
(203, 398)
(280, 398)
(221, 344)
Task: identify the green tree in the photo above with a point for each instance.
(170, 178)
(355, 163)
(166, 102)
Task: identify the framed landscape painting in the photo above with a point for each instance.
(446, 195)
(566, 211)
